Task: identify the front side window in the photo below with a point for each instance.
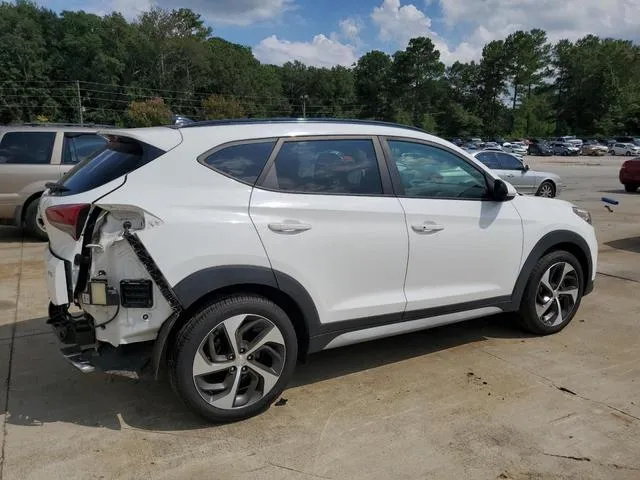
(27, 148)
(243, 161)
(78, 147)
(332, 166)
(431, 172)
(509, 162)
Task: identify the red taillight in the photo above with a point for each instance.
(68, 218)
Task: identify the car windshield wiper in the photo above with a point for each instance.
(56, 187)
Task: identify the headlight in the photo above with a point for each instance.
(583, 214)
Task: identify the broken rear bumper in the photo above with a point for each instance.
(77, 334)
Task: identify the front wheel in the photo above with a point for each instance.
(553, 294)
(233, 358)
(629, 187)
(612, 153)
(547, 189)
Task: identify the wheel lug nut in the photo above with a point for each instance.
(232, 369)
(242, 350)
(244, 369)
(230, 357)
(250, 357)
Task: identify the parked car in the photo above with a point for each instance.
(492, 146)
(31, 156)
(630, 175)
(513, 170)
(627, 149)
(224, 251)
(540, 148)
(565, 148)
(515, 147)
(593, 148)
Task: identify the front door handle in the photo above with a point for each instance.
(509, 175)
(289, 227)
(427, 227)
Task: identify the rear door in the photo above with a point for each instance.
(25, 166)
(327, 217)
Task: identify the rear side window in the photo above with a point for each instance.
(509, 162)
(243, 162)
(489, 159)
(119, 157)
(27, 148)
(78, 147)
(326, 166)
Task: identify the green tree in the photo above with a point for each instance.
(371, 77)
(148, 113)
(219, 107)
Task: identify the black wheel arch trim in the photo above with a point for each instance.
(546, 243)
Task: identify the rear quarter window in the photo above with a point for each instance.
(27, 148)
(242, 161)
(117, 158)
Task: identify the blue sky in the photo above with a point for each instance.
(332, 32)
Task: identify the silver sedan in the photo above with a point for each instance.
(513, 170)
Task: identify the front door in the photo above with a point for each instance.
(513, 171)
(465, 249)
(326, 220)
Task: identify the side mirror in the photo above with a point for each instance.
(525, 167)
(501, 191)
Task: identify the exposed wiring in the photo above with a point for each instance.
(103, 325)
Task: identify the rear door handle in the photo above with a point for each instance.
(289, 227)
(427, 227)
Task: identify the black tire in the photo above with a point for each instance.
(527, 314)
(547, 183)
(630, 187)
(612, 153)
(31, 223)
(191, 336)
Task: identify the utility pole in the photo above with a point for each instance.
(304, 99)
(79, 102)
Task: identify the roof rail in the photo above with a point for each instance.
(61, 124)
(253, 121)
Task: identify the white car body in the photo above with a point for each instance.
(515, 148)
(358, 266)
(624, 149)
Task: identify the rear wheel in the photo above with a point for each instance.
(553, 293)
(33, 223)
(631, 187)
(547, 189)
(612, 152)
(233, 358)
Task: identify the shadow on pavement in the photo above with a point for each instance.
(45, 389)
(631, 244)
(620, 191)
(15, 235)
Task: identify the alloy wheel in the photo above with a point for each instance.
(239, 361)
(557, 294)
(546, 190)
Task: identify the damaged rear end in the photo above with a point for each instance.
(108, 297)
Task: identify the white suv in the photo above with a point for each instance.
(222, 252)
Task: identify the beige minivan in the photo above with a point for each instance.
(30, 157)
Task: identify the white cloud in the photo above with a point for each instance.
(570, 19)
(235, 12)
(320, 52)
(350, 28)
(400, 23)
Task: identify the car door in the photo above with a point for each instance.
(327, 217)
(464, 249)
(513, 171)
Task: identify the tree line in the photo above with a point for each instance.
(56, 67)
